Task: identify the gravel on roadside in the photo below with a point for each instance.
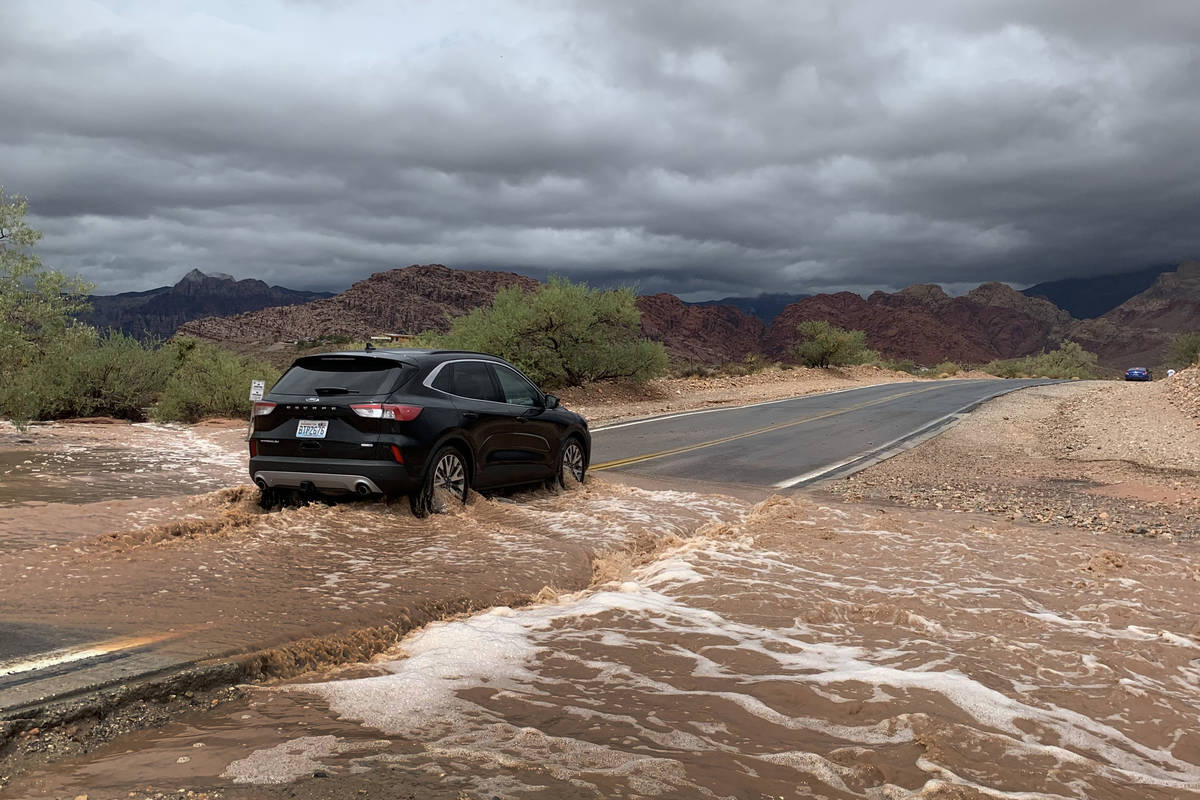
(1106, 456)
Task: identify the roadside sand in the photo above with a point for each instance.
(1106, 456)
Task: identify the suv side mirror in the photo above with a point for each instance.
(551, 401)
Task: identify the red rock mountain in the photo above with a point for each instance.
(924, 324)
(701, 334)
(410, 300)
(921, 323)
(1139, 330)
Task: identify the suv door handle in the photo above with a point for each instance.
(522, 420)
(470, 415)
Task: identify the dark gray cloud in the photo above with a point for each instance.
(706, 148)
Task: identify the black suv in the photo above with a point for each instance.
(427, 423)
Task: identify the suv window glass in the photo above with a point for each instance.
(340, 375)
(517, 390)
(445, 379)
(474, 379)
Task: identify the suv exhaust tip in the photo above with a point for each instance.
(261, 483)
(362, 489)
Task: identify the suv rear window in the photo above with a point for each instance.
(325, 376)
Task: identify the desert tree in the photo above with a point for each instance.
(37, 305)
(562, 334)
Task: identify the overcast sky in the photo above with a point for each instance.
(704, 148)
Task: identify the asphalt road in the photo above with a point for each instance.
(791, 443)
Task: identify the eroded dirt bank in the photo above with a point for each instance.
(1103, 456)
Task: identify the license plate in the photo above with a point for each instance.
(312, 428)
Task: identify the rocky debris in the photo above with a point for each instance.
(1109, 457)
(703, 334)
(406, 301)
(160, 312)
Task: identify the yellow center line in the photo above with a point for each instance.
(757, 432)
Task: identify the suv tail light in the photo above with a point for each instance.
(262, 408)
(386, 411)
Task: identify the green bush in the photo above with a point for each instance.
(83, 374)
(945, 368)
(208, 381)
(825, 345)
(1070, 360)
(1184, 350)
(561, 334)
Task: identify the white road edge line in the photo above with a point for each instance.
(662, 417)
(882, 452)
(51, 660)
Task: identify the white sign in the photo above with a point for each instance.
(256, 390)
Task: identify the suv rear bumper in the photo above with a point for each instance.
(332, 475)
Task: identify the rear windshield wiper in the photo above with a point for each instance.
(326, 390)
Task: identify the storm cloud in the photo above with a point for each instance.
(703, 148)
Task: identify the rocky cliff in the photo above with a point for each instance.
(1138, 331)
(410, 300)
(701, 334)
(924, 324)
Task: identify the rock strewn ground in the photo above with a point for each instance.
(1183, 389)
(1110, 457)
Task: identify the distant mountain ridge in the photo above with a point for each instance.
(766, 306)
(160, 312)
(921, 323)
(1088, 298)
(410, 300)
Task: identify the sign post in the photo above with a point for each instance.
(256, 394)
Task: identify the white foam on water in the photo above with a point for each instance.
(285, 762)
(669, 607)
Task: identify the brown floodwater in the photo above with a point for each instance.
(722, 649)
(60, 483)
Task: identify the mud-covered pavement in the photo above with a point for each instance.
(622, 641)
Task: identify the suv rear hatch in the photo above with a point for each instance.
(312, 413)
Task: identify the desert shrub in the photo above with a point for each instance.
(84, 374)
(824, 345)
(561, 334)
(875, 358)
(208, 381)
(1184, 350)
(945, 368)
(692, 369)
(752, 363)
(1070, 360)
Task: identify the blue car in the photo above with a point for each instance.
(1137, 374)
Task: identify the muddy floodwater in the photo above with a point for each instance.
(718, 648)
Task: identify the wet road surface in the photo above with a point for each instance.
(789, 443)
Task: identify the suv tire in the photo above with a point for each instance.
(447, 481)
(572, 466)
